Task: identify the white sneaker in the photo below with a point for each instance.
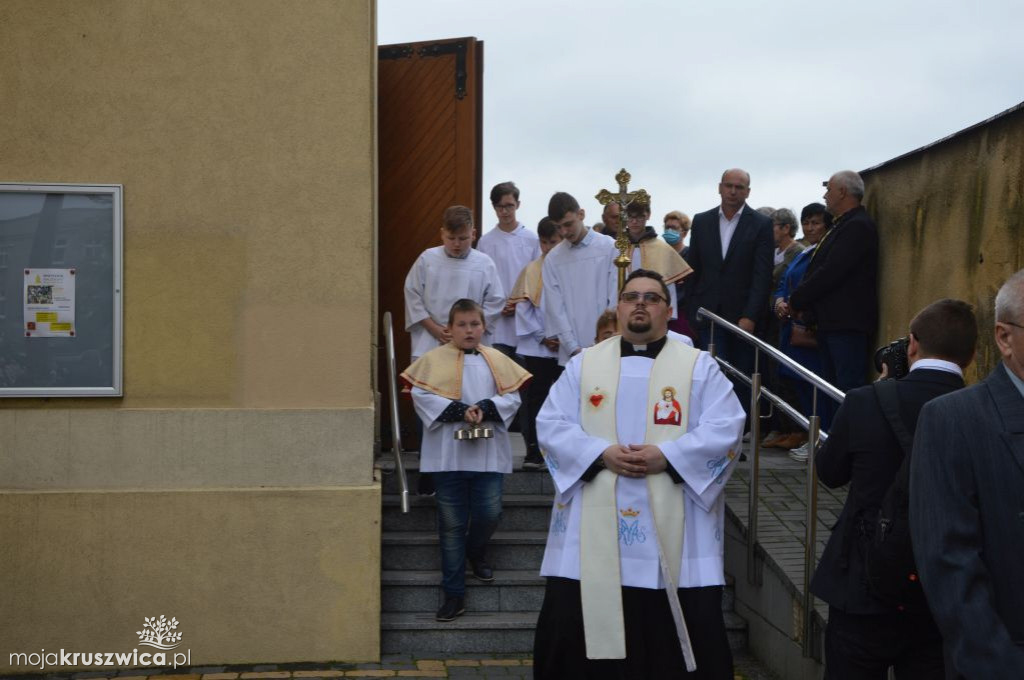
(801, 453)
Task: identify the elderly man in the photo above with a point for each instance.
(637, 425)
(967, 508)
(839, 292)
(609, 220)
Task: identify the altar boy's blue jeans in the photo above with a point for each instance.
(468, 511)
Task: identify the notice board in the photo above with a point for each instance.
(60, 290)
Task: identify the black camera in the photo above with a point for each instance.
(893, 355)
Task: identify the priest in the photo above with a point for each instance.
(634, 558)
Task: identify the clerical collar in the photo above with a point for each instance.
(650, 350)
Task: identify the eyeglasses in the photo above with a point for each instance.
(647, 298)
(1010, 323)
(505, 207)
(636, 218)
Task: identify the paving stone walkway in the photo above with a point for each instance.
(782, 517)
(498, 667)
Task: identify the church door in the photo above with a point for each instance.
(430, 156)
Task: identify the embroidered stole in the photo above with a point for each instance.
(600, 579)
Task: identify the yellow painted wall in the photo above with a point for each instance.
(251, 575)
(951, 224)
(243, 132)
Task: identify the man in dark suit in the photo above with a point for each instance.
(864, 636)
(839, 292)
(967, 508)
(731, 250)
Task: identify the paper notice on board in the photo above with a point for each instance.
(49, 303)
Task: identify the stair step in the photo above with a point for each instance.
(520, 512)
(419, 591)
(420, 550)
(487, 632)
(474, 632)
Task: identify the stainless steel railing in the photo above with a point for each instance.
(396, 433)
(814, 435)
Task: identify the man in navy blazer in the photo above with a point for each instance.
(967, 508)
(731, 252)
(865, 636)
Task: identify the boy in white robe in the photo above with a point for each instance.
(444, 274)
(580, 279)
(512, 247)
(459, 386)
(538, 352)
(653, 253)
(698, 461)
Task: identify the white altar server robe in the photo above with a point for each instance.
(440, 451)
(580, 283)
(437, 280)
(700, 456)
(511, 252)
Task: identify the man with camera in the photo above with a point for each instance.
(870, 629)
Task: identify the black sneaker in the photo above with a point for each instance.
(425, 484)
(533, 462)
(481, 570)
(453, 607)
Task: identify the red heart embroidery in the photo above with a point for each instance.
(596, 399)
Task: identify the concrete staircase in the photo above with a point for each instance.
(500, 616)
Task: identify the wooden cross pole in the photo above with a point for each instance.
(624, 198)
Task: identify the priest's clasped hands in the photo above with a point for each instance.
(634, 460)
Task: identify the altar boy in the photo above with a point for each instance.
(463, 385)
(443, 274)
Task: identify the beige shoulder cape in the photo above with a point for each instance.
(440, 371)
(659, 256)
(529, 284)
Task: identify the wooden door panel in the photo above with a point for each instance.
(429, 129)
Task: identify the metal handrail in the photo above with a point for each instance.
(396, 434)
(813, 427)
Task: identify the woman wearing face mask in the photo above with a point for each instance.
(676, 226)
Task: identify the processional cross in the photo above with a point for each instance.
(624, 198)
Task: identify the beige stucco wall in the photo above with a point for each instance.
(251, 575)
(951, 224)
(243, 132)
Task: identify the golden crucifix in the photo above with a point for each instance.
(624, 198)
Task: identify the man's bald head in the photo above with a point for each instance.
(734, 190)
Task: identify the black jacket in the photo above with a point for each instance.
(840, 288)
(863, 452)
(737, 285)
(967, 524)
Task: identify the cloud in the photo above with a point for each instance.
(678, 91)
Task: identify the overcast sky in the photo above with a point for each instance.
(677, 91)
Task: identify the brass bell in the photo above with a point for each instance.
(482, 433)
(464, 434)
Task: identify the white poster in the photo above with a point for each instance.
(49, 303)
